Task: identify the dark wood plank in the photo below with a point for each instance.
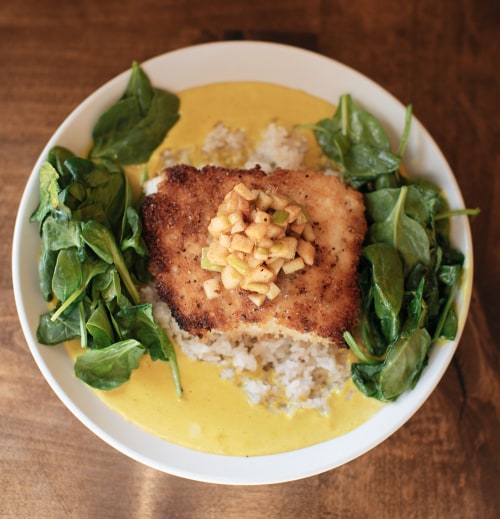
(441, 57)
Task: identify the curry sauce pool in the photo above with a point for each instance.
(214, 415)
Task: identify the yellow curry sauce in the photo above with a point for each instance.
(214, 415)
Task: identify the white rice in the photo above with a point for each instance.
(222, 139)
(275, 371)
(280, 148)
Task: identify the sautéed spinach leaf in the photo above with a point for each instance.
(409, 273)
(93, 257)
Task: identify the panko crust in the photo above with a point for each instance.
(319, 302)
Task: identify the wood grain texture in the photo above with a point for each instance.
(442, 56)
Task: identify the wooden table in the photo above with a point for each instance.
(438, 55)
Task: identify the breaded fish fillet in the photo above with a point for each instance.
(316, 303)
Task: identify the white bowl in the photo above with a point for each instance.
(175, 71)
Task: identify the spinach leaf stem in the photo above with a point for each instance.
(457, 212)
(345, 115)
(406, 131)
(69, 301)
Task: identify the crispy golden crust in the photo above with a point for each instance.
(321, 300)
